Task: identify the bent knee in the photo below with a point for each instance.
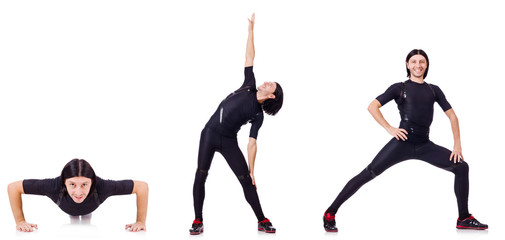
(460, 167)
(371, 173)
(201, 175)
(245, 179)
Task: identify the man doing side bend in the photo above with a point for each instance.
(244, 105)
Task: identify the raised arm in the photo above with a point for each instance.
(141, 189)
(249, 53)
(398, 133)
(251, 157)
(15, 190)
(457, 154)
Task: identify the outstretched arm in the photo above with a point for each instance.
(15, 190)
(249, 53)
(141, 189)
(457, 153)
(398, 133)
(251, 157)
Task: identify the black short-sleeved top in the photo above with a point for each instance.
(416, 109)
(51, 188)
(238, 108)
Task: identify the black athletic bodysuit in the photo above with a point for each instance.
(237, 109)
(415, 102)
(220, 135)
(51, 188)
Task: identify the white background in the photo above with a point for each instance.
(128, 86)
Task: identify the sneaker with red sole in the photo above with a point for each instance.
(329, 222)
(470, 223)
(196, 227)
(266, 226)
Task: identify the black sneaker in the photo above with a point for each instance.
(470, 223)
(197, 227)
(266, 226)
(329, 222)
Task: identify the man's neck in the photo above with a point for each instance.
(260, 97)
(417, 80)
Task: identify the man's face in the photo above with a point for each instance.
(267, 88)
(78, 188)
(417, 65)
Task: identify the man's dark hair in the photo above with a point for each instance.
(272, 106)
(418, 52)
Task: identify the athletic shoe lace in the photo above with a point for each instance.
(266, 222)
(329, 217)
(474, 222)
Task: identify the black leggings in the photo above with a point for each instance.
(397, 151)
(211, 142)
